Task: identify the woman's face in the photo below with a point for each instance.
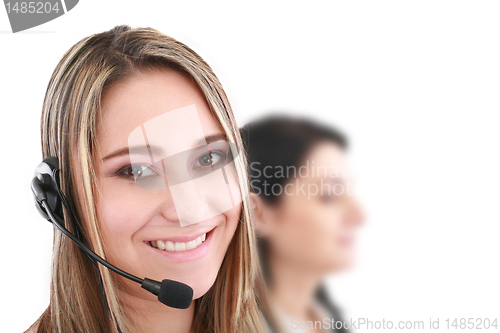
(140, 226)
(314, 224)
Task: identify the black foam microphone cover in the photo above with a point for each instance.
(175, 294)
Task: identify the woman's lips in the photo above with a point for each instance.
(184, 239)
(183, 251)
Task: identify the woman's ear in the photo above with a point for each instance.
(261, 216)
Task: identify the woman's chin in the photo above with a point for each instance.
(202, 286)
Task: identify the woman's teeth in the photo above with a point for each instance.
(177, 246)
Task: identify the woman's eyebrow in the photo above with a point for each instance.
(139, 150)
(210, 138)
(153, 150)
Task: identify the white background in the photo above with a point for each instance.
(414, 84)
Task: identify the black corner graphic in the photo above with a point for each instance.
(24, 15)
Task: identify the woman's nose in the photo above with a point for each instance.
(188, 204)
(355, 214)
(166, 204)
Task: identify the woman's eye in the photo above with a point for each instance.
(136, 171)
(209, 159)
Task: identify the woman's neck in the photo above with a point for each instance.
(293, 287)
(152, 316)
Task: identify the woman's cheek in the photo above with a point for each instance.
(232, 217)
(117, 209)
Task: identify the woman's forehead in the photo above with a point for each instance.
(157, 98)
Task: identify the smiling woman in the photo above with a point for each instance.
(149, 162)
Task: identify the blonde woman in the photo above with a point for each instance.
(144, 213)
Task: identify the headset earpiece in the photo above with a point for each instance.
(45, 184)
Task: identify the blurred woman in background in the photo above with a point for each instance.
(305, 216)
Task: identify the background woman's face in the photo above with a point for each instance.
(133, 218)
(314, 224)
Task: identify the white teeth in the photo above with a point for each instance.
(169, 246)
(190, 245)
(178, 246)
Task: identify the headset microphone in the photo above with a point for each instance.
(49, 201)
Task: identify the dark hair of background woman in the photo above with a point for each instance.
(284, 141)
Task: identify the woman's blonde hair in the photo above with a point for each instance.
(236, 301)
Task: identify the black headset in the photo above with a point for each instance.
(50, 200)
(47, 180)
